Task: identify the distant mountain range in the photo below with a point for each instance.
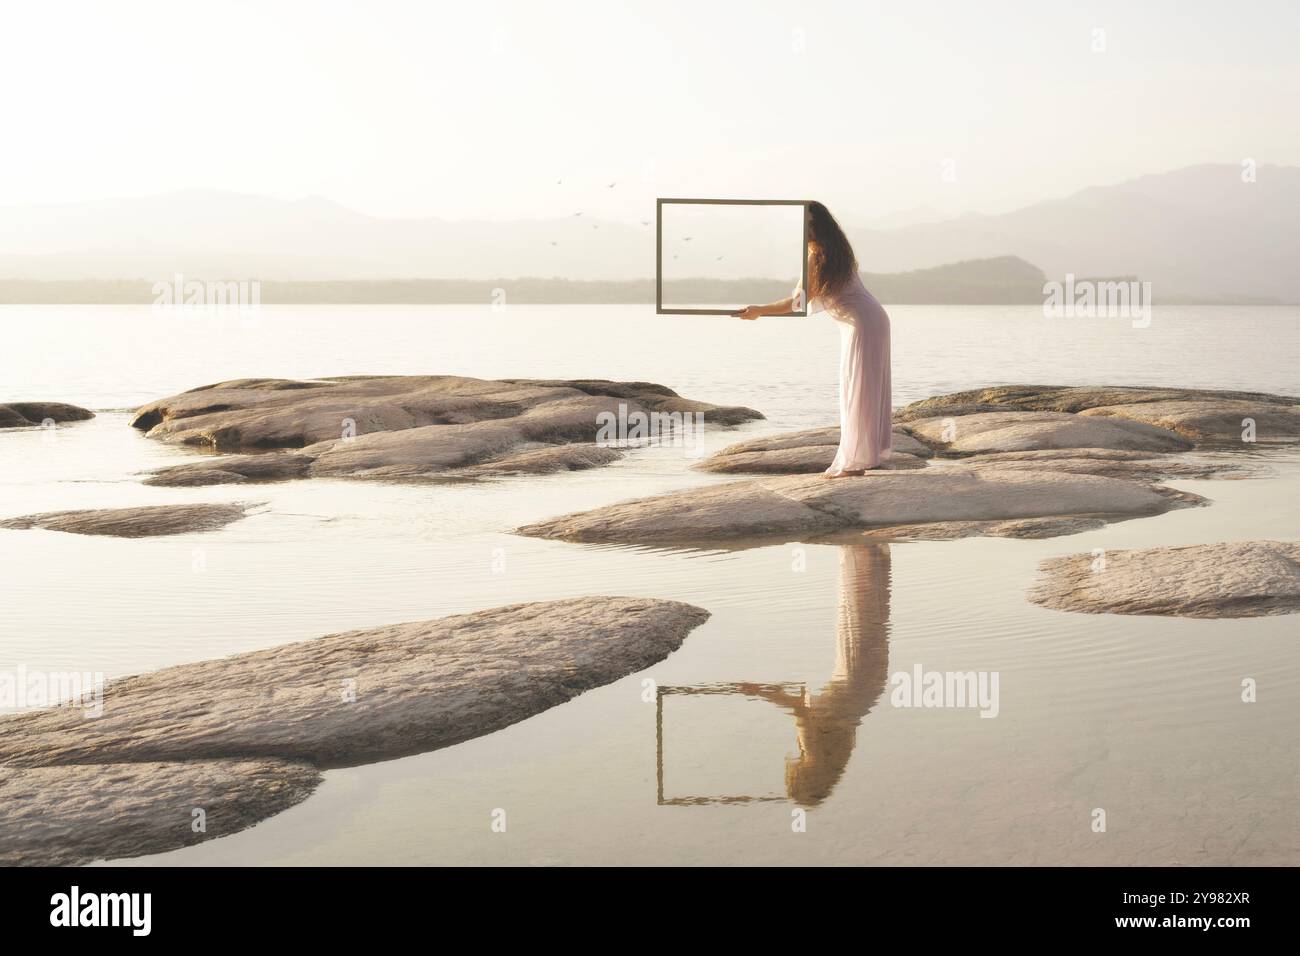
(1198, 234)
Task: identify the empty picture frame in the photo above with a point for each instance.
(707, 690)
(689, 289)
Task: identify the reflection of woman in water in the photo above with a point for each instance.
(826, 723)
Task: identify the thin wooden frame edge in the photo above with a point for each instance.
(659, 250)
(726, 689)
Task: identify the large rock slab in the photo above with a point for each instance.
(364, 695)
(803, 452)
(1235, 579)
(1137, 465)
(438, 449)
(985, 432)
(70, 815)
(543, 460)
(27, 414)
(408, 427)
(1200, 415)
(742, 509)
(525, 459)
(1215, 422)
(142, 522)
(799, 507)
(1051, 527)
(233, 469)
(1124, 431)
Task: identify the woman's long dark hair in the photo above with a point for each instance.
(831, 262)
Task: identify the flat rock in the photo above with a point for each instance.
(1214, 422)
(409, 427)
(1053, 420)
(1138, 465)
(1200, 415)
(27, 414)
(435, 449)
(984, 432)
(807, 506)
(364, 695)
(741, 509)
(795, 461)
(75, 814)
(1022, 528)
(233, 469)
(804, 452)
(144, 522)
(544, 461)
(1103, 430)
(1235, 579)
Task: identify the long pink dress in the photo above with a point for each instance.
(866, 393)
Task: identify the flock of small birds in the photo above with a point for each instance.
(560, 182)
(644, 222)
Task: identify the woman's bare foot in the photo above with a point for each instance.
(857, 473)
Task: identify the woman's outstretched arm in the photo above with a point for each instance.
(751, 312)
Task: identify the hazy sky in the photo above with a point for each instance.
(477, 109)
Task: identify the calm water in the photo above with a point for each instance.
(1139, 716)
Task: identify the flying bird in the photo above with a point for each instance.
(645, 222)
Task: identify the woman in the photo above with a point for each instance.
(866, 435)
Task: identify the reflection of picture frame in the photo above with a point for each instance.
(659, 249)
(692, 801)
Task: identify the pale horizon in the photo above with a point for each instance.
(504, 111)
(891, 219)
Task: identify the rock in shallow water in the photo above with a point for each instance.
(799, 507)
(145, 522)
(404, 427)
(1200, 415)
(803, 452)
(244, 737)
(1019, 528)
(985, 432)
(544, 461)
(1053, 424)
(232, 469)
(1235, 579)
(417, 686)
(27, 414)
(1138, 465)
(70, 815)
